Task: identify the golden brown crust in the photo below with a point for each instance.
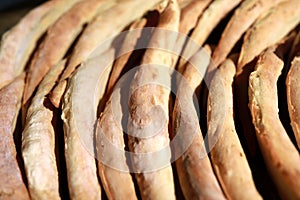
(227, 155)
(38, 142)
(117, 183)
(99, 30)
(158, 183)
(210, 18)
(241, 20)
(190, 14)
(102, 28)
(79, 113)
(279, 20)
(281, 157)
(188, 19)
(195, 183)
(58, 39)
(241, 82)
(11, 183)
(18, 43)
(293, 89)
(129, 43)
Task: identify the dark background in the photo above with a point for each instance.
(11, 4)
(11, 11)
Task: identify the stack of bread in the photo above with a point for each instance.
(210, 109)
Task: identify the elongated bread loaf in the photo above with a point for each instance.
(279, 153)
(227, 155)
(155, 181)
(195, 183)
(117, 182)
(112, 164)
(11, 182)
(38, 141)
(79, 112)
